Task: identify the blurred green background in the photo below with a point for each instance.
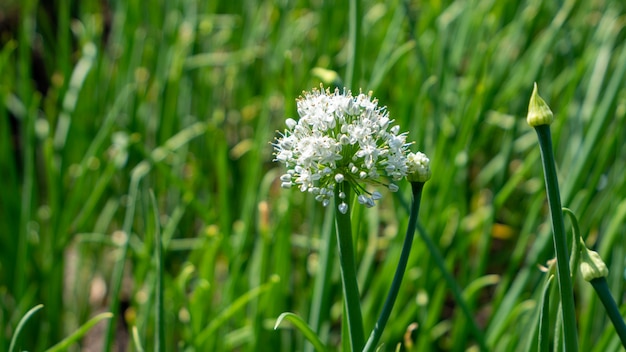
(106, 102)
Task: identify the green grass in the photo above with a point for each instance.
(104, 105)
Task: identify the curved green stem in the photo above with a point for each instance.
(603, 292)
(21, 324)
(377, 332)
(351, 297)
(560, 240)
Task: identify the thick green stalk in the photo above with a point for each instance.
(351, 297)
(377, 332)
(560, 240)
(603, 292)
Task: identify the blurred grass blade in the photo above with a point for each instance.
(108, 124)
(137, 175)
(544, 317)
(232, 309)
(21, 324)
(78, 334)
(452, 285)
(475, 286)
(137, 340)
(321, 301)
(159, 322)
(71, 96)
(353, 69)
(304, 329)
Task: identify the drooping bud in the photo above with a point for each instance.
(591, 265)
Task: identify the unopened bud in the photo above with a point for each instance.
(592, 266)
(539, 112)
(418, 167)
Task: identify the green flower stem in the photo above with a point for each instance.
(454, 287)
(351, 297)
(602, 290)
(377, 332)
(560, 240)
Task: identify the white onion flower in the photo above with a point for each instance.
(341, 140)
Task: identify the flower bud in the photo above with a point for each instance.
(291, 123)
(539, 112)
(592, 266)
(418, 167)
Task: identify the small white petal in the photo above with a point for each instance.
(370, 203)
(291, 123)
(325, 202)
(342, 195)
(393, 187)
(362, 199)
(376, 195)
(343, 208)
(339, 178)
(285, 177)
(286, 185)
